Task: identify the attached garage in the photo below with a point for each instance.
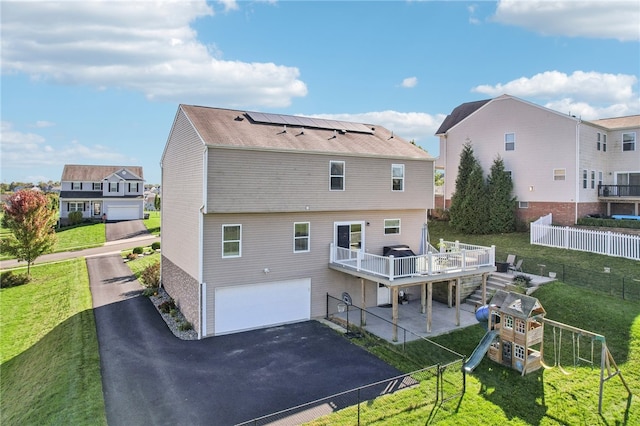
(123, 212)
(245, 307)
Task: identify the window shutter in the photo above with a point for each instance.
(80, 185)
(67, 206)
(101, 186)
(117, 186)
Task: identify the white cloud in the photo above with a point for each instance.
(148, 47)
(593, 19)
(589, 94)
(20, 150)
(410, 82)
(42, 123)
(417, 126)
(229, 5)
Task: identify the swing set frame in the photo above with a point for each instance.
(607, 363)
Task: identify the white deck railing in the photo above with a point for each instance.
(454, 257)
(601, 242)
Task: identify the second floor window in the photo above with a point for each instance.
(336, 175)
(97, 186)
(509, 141)
(397, 177)
(113, 187)
(598, 143)
(629, 141)
(76, 186)
(301, 237)
(231, 240)
(604, 143)
(391, 226)
(133, 187)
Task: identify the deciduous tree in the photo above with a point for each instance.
(31, 220)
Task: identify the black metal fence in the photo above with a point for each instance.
(439, 377)
(606, 281)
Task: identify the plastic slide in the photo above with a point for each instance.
(479, 351)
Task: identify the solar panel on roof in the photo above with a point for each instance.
(309, 122)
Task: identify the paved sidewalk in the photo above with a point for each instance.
(108, 248)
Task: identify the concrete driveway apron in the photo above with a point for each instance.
(150, 377)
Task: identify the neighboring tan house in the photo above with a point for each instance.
(559, 163)
(113, 193)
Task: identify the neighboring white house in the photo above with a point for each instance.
(113, 193)
(559, 163)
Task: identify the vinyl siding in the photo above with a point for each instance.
(267, 242)
(544, 141)
(253, 181)
(182, 175)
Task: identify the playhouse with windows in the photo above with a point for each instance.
(517, 322)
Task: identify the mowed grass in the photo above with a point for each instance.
(153, 223)
(49, 360)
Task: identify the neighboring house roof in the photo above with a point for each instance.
(459, 113)
(93, 173)
(617, 123)
(236, 129)
(92, 195)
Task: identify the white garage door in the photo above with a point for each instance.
(246, 307)
(123, 213)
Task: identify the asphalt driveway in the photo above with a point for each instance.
(125, 229)
(151, 377)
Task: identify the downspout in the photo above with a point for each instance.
(202, 300)
(444, 185)
(577, 173)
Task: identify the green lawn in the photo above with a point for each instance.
(153, 223)
(49, 361)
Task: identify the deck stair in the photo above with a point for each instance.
(495, 281)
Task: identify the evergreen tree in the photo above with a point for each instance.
(474, 211)
(466, 166)
(502, 214)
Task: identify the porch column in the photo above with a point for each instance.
(429, 310)
(608, 208)
(363, 305)
(484, 288)
(394, 313)
(450, 293)
(423, 298)
(458, 285)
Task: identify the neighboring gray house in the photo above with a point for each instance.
(559, 163)
(96, 191)
(255, 205)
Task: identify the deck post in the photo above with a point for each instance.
(394, 312)
(484, 288)
(429, 310)
(450, 293)
(458, 285)
(363, 311)
(423, 298)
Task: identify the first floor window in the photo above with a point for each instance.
(518, 351)
(559, 174)
(336, 175)
(231, 240)
(509, 141)
(584, 179)
(301, 237)
(76, 206)
(599, 178)
(593, 179)
(397, 177)
(391, 226)
(629, 141)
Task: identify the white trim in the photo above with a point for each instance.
(344, 175)
(239, 241)
(384, 223)
(308, 237)
(402, 179)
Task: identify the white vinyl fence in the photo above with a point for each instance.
(601, 242)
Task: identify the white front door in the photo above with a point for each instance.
(384, 295)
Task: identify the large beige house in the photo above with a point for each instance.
(559, 163)
(256, 207)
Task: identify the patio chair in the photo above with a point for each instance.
(517, 266)
(511, 259)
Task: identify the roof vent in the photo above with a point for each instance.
(238, 118)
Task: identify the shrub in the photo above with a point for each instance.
(155, 245)
(75, 218)
(151, 275)
(609, 223)
(149, 291)
(522, 280)
(166, 307)
(185, 326)
(9, 279)
(138, 250)
(132, 256)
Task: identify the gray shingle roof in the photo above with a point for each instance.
(516, 304)
(459, 113)
(233, 128)
(93, 173)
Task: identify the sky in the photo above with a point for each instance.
(100, 82)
